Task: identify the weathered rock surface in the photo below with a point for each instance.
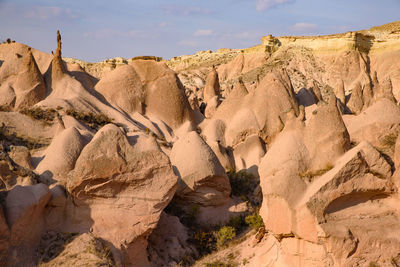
(202, 178)
(211, 88)
(60, 157)
(337, 207)
(165, 96)
(29, 86)
(123, 88)
(168, 244)
(376, 124)
(314, 119)
(25, 207)
(21, 156)
(84, 250)
(125, 183)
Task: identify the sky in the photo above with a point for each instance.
(94, 30)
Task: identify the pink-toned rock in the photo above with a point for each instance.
(271, 102)
(368, 95)
(243, 124)
(211, 107)
(356, 103)
(241, 64)
(326, 136)
(168, 244)
(165, 97)
(60, 156)
(249, 153)
(323, 209)
(383, 89)
(283, 186)
(214, 134)
(377, 123)
(83, 250)
(29, 86)
(316, 91)
(212, 88)
(123, 88)
(130, 175)
(25, 207)
(202, 178)
(7, 95)
(341, 93)
(21, 156)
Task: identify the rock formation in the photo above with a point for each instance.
(356, 103)
(151, 162)
(202, 179)
(125, 186)
(212, 88)
(29, 87)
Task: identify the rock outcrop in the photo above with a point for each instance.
(125, 183)
(25, 206)
(202, 179)
(123, 88)
(212, 87)
(29, 87)
(60, 157)
(165, 96)
(142, 161)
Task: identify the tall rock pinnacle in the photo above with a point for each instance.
(57, 68)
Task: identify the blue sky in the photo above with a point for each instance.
(94, 30)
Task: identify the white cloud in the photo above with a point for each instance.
(185, 10)
(304, 27)
(205, 32)
(49, 12)
(267, 4)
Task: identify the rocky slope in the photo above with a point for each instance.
(282, 154)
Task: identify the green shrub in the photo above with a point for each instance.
(237, 222)
(12, 138)
(242, 183)
(94, 121)
(204, 242)
(38, 113)
(225, 234)
(255, 221)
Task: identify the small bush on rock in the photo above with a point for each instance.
(242, 183)
(204, 242)
(94, 121)
(255, 221)
(39, 113)
(225, 234)
(309, 175)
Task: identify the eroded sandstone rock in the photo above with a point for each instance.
(125, 183)
(202, 178)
